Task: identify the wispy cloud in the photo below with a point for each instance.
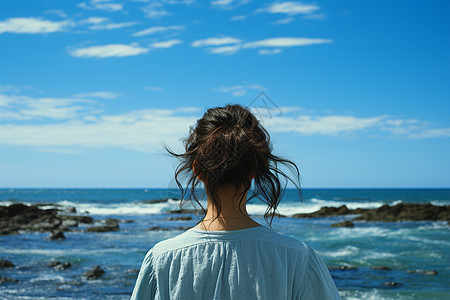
(286, 42)
(285, 21)
(269, 51)
(215, 41)
(112, 25)
(70, 125)
(158, 29)
(32, 26)
(239, 90)
(111, 50)
(238, 18)
(105, 5)
(228, 4)
(166, 44)
(155, 10)
(102, 95)
(231, 45)
(18, 107)
(290, 8)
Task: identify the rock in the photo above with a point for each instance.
(59, 266)
(79, 219)
(158, 228)
(181, 218)
(326, 212)
(154, 201)
(6, 279)
(133, 271)
(20, 217)
(347, 223)
(6, 264)
(186, 211)
(425, 272)
(381, 268)
(59, 236)
(342, 268)
(392, 284)
(386, 213)
(94, 273)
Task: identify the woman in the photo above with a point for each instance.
(228, 255)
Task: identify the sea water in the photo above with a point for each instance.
(399, 247)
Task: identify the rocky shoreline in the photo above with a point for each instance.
(20, 217)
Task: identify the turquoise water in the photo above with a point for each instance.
(399, 246)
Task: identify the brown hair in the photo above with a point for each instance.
(229, 146)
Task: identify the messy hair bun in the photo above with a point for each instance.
(229, 146)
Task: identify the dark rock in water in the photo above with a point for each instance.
(181, 218)
(157, 228)
(392, 284)
(347, 223)
(6, 279)
(20, 217)
(425, 272)
(154, 201)
(407, 212)
(59, 266)
(106, 228)
(80, 219)
(94, 273)
(186, 211)
(59, 236)
(326, 212)
(386, 213)
(6, 264)
(342, 268)
(381, 268)
(133, 271)
(127, 221)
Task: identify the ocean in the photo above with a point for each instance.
(396, 249)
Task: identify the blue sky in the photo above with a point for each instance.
(90, 89)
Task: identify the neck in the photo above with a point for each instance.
(233, 215)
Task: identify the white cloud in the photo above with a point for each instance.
(70, 125)
(284, 21)
(112, 50)
(158, 29)
(322, 125)
(105, 5)
(32, 26)
(17, 107)
(94, 20)
(228, 4)
(155, 10)
(238, 18)
(215, 41)
(57, 12)
(269, 51)
(113, 25)
(166, 44)
(239, 90)
(286, 42)
(290, 8)
(225, 50)
(102, 95)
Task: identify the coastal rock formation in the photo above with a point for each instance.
(7, 279)
(6, 264)
(94, 273)
(21, 217)
(59, 266)
(386, 213)
(347, 223)
(424, 272)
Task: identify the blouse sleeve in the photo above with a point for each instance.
(318, 283)
(145, 288)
